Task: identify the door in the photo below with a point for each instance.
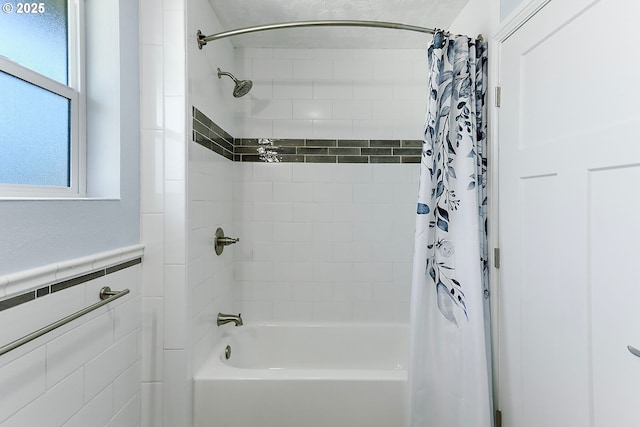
(569, 168)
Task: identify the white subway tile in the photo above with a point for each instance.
(352, 173)
(352, 109)
(253, 271)
(391, 292)
(174, 52)
(272, 172)
(332, 311)
(293, 129)
(312, 251)
(54, 407)
(292, 192)
(256, 311)
(405, 193)
(175, 410)
(251, 127)
(332, 271)
(372, 193)
(151, 171)
(292, 232)
(313, 292)
(332, 232)
(70, 351)
(97, 412)
(270, 68)
(402, 273)
(401, 311)
(309, 172)
(128, 317)
(392, 70)
(288, 271)
(21, 381)
(126, 385)
(312, 109)
(356, 69)
(129, 415)
(373, 272)
(272, 211)
(254, 191)
(333, 89)
(272, 109)
(266, 291)
(293, 311)
(330, 192)
(353, 212)
(107, 366)
(152, 339)
(410, 90)
(374, 90)
(373, 129)
(272, 251)
(175, 306)
(312, 212)
(352, 251)
(175, 222)
(312, 69)
(255, 231)
(330, 129)
(292, 89)
(406, 173)
(152, 397)
(151, 22)
(175, 147)
(354, 292)
(372, 312)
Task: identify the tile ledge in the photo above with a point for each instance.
(28, 280)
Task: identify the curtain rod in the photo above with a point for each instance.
(203, 40)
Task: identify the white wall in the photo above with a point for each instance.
(41, 232)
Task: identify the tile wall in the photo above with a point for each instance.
(86, 372)
(332, 93)
(325, 242)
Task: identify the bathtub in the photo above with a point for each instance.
(305, 375)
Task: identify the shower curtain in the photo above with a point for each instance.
(449, 363)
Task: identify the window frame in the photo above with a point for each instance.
(75, 93)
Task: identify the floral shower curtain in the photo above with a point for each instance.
(449, 364)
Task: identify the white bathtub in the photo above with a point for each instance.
(305, 375)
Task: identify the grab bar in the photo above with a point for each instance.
(633, 350)
(106, 296)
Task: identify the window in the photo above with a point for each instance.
(41, 102)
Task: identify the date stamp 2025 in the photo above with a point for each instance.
(24, 8)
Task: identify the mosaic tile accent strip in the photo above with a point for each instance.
(211, 136)
(59, 286)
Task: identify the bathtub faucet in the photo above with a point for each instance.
(227, 318)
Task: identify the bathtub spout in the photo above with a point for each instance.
(227, 318)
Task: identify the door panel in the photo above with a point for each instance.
(567, 134)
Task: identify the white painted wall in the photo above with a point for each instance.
(41, 232)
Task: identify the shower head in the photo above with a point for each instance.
(241, 88)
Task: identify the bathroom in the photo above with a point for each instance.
(318, 242)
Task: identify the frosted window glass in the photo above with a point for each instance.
(35, 136)
(37, 40)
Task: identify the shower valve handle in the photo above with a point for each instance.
(226, 241)
(220, 241)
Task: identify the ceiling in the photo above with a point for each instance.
(234, 14)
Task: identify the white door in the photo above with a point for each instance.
(569, 170)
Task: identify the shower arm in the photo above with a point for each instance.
(203, 40)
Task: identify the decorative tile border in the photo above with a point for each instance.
(211, 136)
(59, 286)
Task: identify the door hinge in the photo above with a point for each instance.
(496, 257)
(498, 96)
(498, 418)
